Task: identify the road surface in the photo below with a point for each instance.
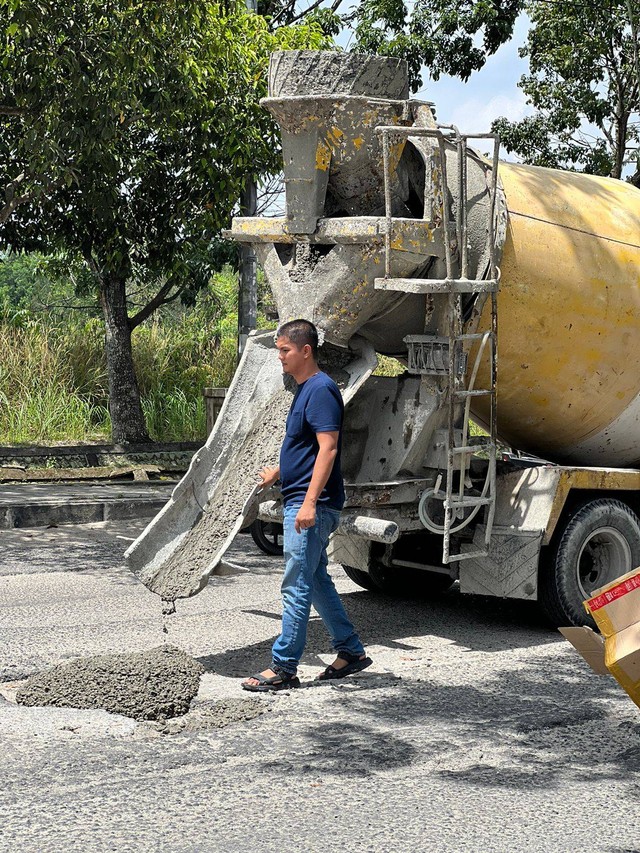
(477, 728)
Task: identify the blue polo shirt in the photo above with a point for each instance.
(317, 407)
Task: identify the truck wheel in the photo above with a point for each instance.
(600, 542)
(404, 582)
(360, 578)
(268, 536)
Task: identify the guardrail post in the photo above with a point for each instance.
(213, 400)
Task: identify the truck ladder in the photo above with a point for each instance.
(439, 355)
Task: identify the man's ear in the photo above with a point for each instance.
(306, 349)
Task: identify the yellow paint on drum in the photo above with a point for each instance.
(568, 308)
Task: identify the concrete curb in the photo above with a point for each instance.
(43, 505)
(168, 457)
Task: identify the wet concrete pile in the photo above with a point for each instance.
(152, 685)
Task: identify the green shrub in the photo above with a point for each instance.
(53, 377)
(171, 414)
(39, 400)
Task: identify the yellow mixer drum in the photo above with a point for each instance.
(569, 318)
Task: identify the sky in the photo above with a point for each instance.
(489, 93)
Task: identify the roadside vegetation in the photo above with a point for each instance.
(127, 141)
(53, 376)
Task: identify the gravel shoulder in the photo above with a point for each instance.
(477, 728)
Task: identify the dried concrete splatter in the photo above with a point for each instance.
(316, 72)
(306, 259)
(152, 685)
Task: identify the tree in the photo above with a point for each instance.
(18, 281)
(127, 131)
(447, 36)
(585, 87)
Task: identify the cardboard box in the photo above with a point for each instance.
(616, 650)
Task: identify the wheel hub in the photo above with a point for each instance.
(604, 556)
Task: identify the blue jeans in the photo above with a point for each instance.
(306, 582)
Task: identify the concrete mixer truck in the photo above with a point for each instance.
(511, 295)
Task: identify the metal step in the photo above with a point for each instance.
(429, 355)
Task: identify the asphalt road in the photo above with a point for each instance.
(477, 729)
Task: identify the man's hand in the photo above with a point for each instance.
(306, 516)
(268, 476)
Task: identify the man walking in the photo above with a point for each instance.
(313, 495)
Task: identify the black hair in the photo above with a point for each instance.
(300, 333)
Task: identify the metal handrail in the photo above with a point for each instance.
(456, 335)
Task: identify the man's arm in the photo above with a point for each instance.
(327, 452)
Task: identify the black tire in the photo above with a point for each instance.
(360, 578)
(600, 541)
(404, 582)
(268, 536)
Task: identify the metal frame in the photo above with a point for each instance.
(456, 501)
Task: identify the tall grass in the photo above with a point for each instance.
(53, 379)
(171, 414)
(39, 400)
(52, 416)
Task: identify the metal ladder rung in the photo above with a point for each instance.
(464, 285)
(476, 336)
(470, 556)
(471, 448)
(468, 502)
(482, 392)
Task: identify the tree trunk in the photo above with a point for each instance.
(622, 120)
(127, 420)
